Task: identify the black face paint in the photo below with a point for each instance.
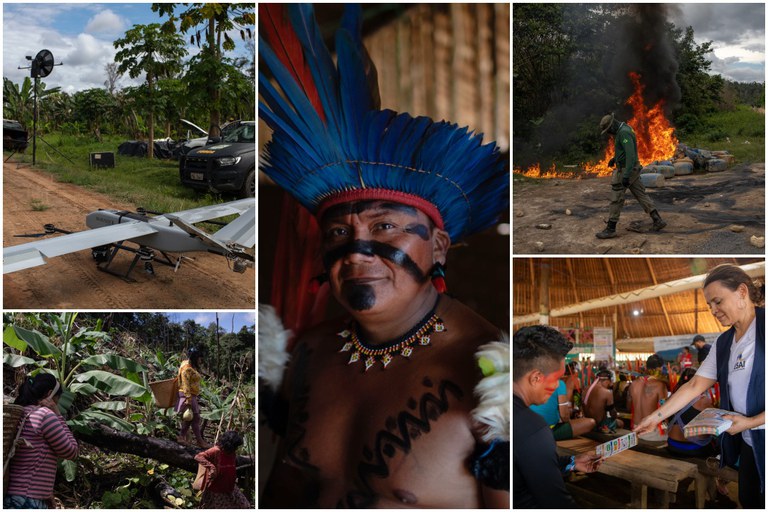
(343, 209)
(360, 297)
(418, 229)
(373, 248)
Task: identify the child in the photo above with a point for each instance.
(219, 489)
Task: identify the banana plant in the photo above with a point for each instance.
(69, 355)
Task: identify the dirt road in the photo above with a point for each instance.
(73, 281)
(700, 210)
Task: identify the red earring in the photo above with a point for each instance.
(316, 282)
(438, 278)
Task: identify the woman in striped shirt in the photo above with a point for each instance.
(44, 439)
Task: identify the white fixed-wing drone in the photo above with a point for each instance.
(164, 233)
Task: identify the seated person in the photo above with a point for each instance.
(620, 391)
(647, 393)
(556, 411)
(677, 443)
(573, 386)
(598, 404)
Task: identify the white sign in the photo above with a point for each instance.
(603, 339)
(661, 343)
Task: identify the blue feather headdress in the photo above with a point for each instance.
(332, 143)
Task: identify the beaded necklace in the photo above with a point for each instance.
(420, 335)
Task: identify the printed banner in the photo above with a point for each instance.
(663, 343)
(603, 340)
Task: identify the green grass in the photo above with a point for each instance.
(151, 184)
(38, 206)
(740, 125)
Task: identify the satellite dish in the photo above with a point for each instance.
(43, 64)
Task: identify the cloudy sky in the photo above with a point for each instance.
(737, 32)
(206, 318)
(79, 35)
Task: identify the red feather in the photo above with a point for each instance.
(279, 33)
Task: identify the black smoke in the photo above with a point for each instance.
(608, 41)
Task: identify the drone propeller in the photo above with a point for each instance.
(49, 229)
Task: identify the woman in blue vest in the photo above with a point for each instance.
(737, 363)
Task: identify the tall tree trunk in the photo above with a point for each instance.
(151, 142)
(161, 450)
(214, 130)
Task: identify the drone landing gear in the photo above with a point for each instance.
(105, 254)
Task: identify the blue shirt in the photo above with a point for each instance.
(549, 410)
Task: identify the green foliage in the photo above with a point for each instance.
(700, 90)
(18, 101)
(740, 131)
(114, 355)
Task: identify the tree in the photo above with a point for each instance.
(92, 107)
(146, 49)
(18, 102)
(700, 90)
(112, 76)
(211, 23)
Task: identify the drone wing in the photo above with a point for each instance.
(241, 231)
(236, 236)
(19, 257)
(214, 211)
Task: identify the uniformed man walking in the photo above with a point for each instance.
(625, 176)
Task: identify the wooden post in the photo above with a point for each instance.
(544, 291)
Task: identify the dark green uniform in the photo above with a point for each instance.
(625, 145)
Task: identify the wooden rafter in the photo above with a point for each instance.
(609, 270)
(572, 278)
(661, 299)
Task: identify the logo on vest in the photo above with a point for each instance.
(741, 364)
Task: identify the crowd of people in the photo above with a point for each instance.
(729, 375)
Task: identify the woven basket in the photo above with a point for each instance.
(12, 415)
(165, 392)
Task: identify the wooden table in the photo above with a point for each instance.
(642, 471)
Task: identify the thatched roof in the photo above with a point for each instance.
(575, 280)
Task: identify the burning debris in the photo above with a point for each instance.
(659, 150)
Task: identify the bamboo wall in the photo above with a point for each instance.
(448, 62)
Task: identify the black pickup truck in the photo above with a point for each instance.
(225, 164)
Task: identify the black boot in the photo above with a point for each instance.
(658, 223)
(609, 231)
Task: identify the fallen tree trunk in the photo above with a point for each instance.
(161, 450)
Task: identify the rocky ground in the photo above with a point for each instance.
(715, 213)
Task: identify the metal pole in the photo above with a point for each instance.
(34, 123)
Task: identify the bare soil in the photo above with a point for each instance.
(73, 281)
(700, 210)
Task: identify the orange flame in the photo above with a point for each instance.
(535, 171)
(655, 138)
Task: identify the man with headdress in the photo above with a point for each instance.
(626, 176)
(377, 409)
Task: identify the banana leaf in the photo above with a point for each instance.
(14, 360)
(20, 338)
(112, 384)
(115, 362)
(109, 406)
